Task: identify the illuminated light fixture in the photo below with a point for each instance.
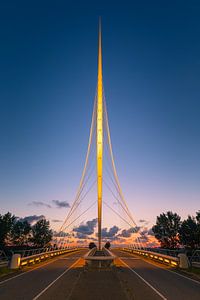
(99, 137)
(173, 263)
(18, 261)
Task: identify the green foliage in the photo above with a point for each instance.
(6, 224)
(166, 229)
(189, 232)
(21, 233)
(41, 232)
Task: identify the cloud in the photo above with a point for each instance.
(32, 219)
(109, 233)
(128, 232)
(80, 235)
(147, 231)
(61, 234)
(85, 229)
(56, 221)
(40, 203)
(61, 204)
(142, 221)
(150, 232)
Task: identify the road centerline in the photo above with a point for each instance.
(146, 282)
(54, 281)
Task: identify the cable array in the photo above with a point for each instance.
(89, 173)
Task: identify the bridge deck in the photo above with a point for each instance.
(130, 278)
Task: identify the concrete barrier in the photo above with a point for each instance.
(183, 261)
(15, 261)
(100, 261)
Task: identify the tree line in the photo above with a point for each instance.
(14, 231)
(173, 233)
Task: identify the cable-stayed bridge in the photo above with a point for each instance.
(99, 175)
(130, 272)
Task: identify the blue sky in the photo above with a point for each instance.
(48, 72)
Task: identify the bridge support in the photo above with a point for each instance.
(99, 259)
(99, 138)
(15, 261)
(183, 261)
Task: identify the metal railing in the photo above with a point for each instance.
(30, 252)
(159, 257)
(195, 259)
(19, 261)
(3, 259)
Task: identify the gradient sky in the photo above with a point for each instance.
(48, 73)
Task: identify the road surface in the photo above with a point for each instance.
(169, 284)
(66, 278)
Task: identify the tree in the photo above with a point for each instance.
(92, 245)
(41, 233)
(20, 233)
(198, 217)
(107, 245)
(189, 232)
(6, 224)
(166, 229)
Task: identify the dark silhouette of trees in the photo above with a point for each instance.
(166, 229)
(92, 245)
(6, 224)
(21, 233)
(107, 245)
(189, 232)
(41, 233)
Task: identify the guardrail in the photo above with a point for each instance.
(17, 261)
(162, 258)
(195, 259)
(3, 263)
(29, 252)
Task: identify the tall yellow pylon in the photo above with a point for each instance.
(99, 136)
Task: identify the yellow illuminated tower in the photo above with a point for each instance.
(99, 136)
(99, 125)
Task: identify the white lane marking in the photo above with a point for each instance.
(173, 272)
(134, 258)
(43, 291)
(26, 272)
(147, 283)
(61, 258)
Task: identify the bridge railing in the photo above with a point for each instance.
(195, 259)
(159, 257)
(176, 258)
(18, 260)
(169, 252)
(29, 252)
(3, 259)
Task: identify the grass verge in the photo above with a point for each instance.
(5, 271)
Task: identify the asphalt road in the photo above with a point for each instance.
(167, 283)
(29, 284)
(132, 278)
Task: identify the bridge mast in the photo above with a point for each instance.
(99, 137)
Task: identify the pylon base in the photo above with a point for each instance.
(99, 258)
